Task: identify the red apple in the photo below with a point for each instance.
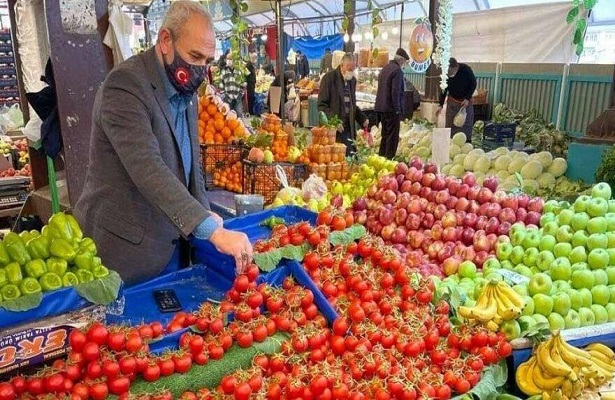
(523, 200)
(400, 217)
(387, 232)
(434, 249)
(484, 195)
(460, 216)
(428, 220)
(386, 216)
(470, 220)
(473, 207)
(463, 190)
(507, 215)
(450, 234)
(425, 191)
(399, 235)
(413, 258)
(403, 199)
(436, 231)
(389, 197)
(414, 207)
(430, 168)
(360, 204)
(462, 204)
(503, 229)
(442, 196)
(469, 179)
(492, 225)
(440, 211)
(454, 185)
(510, 202)
(401, 168)
(536, 204)
(337, 201)
(491, 182)
(438, 183)
(532, 218)
(360, 217)
(416, 162)
(493, 209)
(451, 265)
(521, 214)
(480, 243)
(415, 189)
(499, 196)
(481, 222)
(418, 176)
(445, 252)
(449, 219)
(428, 179)
(413, 222)
(467, 236)
(480, 258)
(468, 253)
(451, 203)
(415, 239)
(406, 186)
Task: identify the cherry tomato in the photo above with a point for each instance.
(98, 334)
(99, 391)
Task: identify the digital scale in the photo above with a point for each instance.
(13, 191)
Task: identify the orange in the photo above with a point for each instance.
(218, 138)
(225, 132)
(218, 124)
(212, 109)
(232, 124)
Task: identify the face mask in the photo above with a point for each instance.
(185, 78)
(348, 75)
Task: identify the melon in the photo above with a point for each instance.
(256, 155)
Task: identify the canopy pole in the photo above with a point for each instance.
(401, 25)
(432, 77)
(280, 60)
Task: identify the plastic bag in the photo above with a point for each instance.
(32, 130)
(460, 118)
(287, 193)
(314, 188)
(11, 118)
(441, 118)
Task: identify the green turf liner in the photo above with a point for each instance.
(210, 374)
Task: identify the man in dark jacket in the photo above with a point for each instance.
(460, 89)
(389, 102)
(303, 65)
(326, 61)
(251, 82)
(337, 97)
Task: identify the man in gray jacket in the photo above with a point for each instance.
(144, 193)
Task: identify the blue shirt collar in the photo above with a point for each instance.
(168, 86)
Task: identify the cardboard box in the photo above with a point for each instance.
(33, 343)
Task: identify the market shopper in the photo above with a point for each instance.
(144, 193)
(302, 65)
(389, 102)
(458, 94)
(251, 82)
(337, 96)
(289, 81)
(326, 62)
(231, 89)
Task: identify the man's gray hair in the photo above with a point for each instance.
(348, 57)
(179, 12)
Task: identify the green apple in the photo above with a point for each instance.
(562, 249)
(521, 289)
(546, 218)
(602, 190)
(541, 321)
(544, 260)
(610, 273)
(550, 228)
(530, 256)
(610, 221)
(560, 286)
(511, 329)
(610, 310)
(547, 242)
(598, 259)
(529, 306)
(600, 277)
(581, 203)
(572, 320)
(565, 217)
(561, 269)
(596, 225)
(516, 256)
(491, 263)
(577, 254)
(564, 234)
(503, 251)
(582, 279)
(532, 238)
(479, 286)
(467, 269)
(580, 266)
(611, 239)
(539, 283)
(586, 295)
(561, 303)
(527, 323)
(576, 299)
(611, 252)
(551, 206)
(579, 238)
(600, 314)
(597, 207)
(600, 295)
(579, 221)
(587, 316)
(612, 205)
(556, 322)
(517, 236)
(535, 270)
(506, 264)
(494, 276)
(543, 304)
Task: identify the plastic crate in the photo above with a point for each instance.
(498, 135)
(261, 178)
(218, 157)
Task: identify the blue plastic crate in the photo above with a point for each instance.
(499, 132)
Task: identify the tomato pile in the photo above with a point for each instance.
(392, 339)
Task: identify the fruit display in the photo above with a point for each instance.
(217, 124)
(439, 221)
(558, 370)
(569, 260)
(229, 177)
(327, 158)
(24, 171)
(59, 256)
(496, 304)
(263, 82)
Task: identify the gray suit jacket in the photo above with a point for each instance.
(135, 203)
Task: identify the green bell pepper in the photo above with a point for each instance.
(30, 286)
(100, 272)
(13, 273)
(3, 279)
(50, 281)
(4, 255)
(63, 249)
(83, 260)
(75, 228)
(9, 292)
(57, 265)
(35, 268)
(35, 233)
(26, 236)
(59, 227)
(96, 261)
(16, 248)
(39, 247)
(69, 279)
(84, 275)
(87, 245)
(45, 231)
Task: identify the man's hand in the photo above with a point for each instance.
(438, 111)
(465, 103)
(366, 125)
(235, 244)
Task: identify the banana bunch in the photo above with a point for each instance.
(559, 371)
(496, 303)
